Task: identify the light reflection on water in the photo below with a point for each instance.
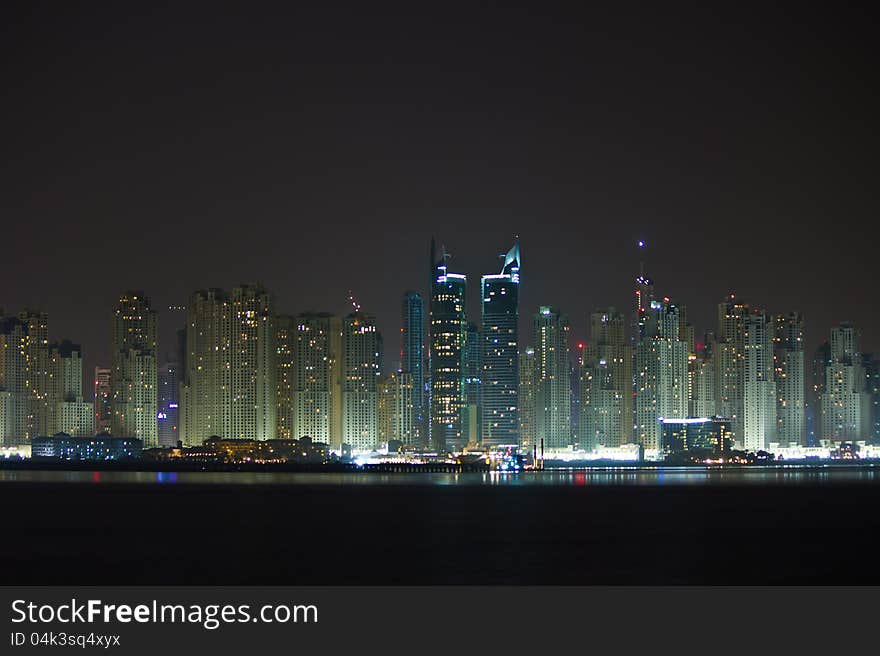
(607, 476)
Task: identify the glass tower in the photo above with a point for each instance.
(500, 354)
(412, 359)
(448, 333)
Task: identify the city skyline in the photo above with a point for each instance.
(251, 372)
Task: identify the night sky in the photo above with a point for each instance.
(167, 148)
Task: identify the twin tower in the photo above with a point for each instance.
(474, 370)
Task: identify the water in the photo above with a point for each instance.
(771, 475)
(725, 526)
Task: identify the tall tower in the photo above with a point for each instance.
(133, 372)
(284, 363)
(472, 371)
(360, 373)
(229, 388)
(606, 382)
(660, 372)
(500, 353)
(412, 360)
(448, 332)
(70, 413)
(317, 391)
(527, 393)
(788, 358)
(13, 381)
(845, 403)
(759, 385)
(552, 378)
(102, 409)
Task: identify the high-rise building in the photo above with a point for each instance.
(13, 381)
(285, 338)
(229, 388)
(71, 414)
(660, 372)
(759, 383)
(41, 404)
(701, 381)
(552, 388)
(317, 384)
(168, 415)
(527, 393)
(447, 338)
(102, 407)
(871, 366)
(788, 356)
(845, 402)
(472, 370)
(605, 384)
(412, 360)
(396, 409)
(133, 385)
(360, 373)
(820, 361)
(500, 353)
(728, 362)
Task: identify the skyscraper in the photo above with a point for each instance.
(70, 413)
(168, 415)
(448, 332)
(527, 393)
(102, 409)
(412, 359)
(660, 372)
(605, 381)
(701, 381)
(360, 372)
(13, 381)
(285, 331)
(788, 356)
(552, 378)
(133, 385)
(317, 384)
(845, 402)
(395, 408)
(759, 384)
(728, 363)
(472, 370)
(229, 387)
(500, 353)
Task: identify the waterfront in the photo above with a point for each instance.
(757, 526)
(627, 475)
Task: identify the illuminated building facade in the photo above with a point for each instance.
(710, 435)
(788, 360)
(133, 384)
(552, 383)
(499, 406)
(13, 381)
(285, 331)
(360, 373)
(472, 371)
(229, 386)
(845, 401)
(527, 392)
(660, 372)
(412, 359)
(70, 413)
(605, 383)
(396, 409)
(102, 410)
(447, 338)
(317, 384)
(759, 383)
(168, 416)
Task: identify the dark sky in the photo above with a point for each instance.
(170, 148)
